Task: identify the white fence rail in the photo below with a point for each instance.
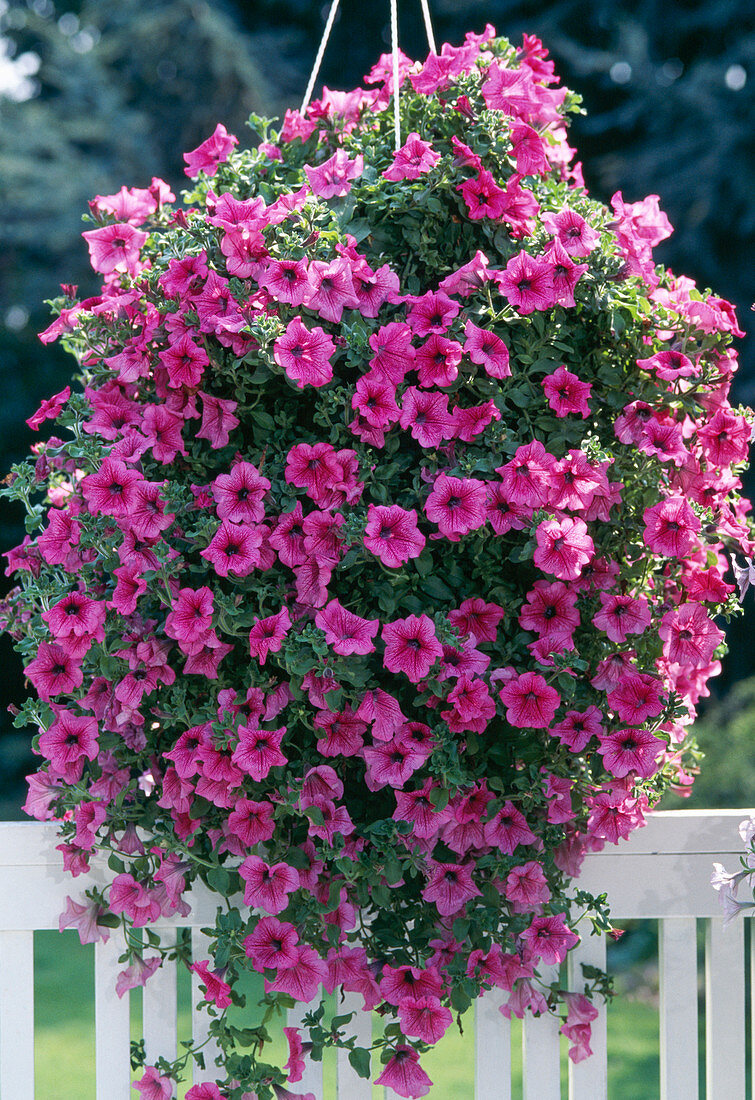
(662, 872)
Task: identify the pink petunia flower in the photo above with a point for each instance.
(621, 616)
(153, 1086)
(563, 547)
(527, 283)
(212, 152)
(431, 312)
(689, 636)
(234, 549)
(267, 887)
(50, 408)
(633, 751)
(437, 361)
(391, 534)
(671, 527)
(239, 494)
(54, 671)
(411, 646)
(549, 939)
(482, 196)
(424, 1018)
(449, 886)
(530, 702)
(404, 1074)
(217, 991)
(258, 751)
(218, 420)
(427, 417)
(271, 944)
(457, 505)
(577, 728)
(332, 178)
(345, 632)
(577, 237)
(115, 248)
(414, 159)
(487, 349)
(305, 354)
(566, 394)
(477, 618)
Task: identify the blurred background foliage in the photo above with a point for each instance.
(100, 93)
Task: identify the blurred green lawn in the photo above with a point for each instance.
(65, 1035)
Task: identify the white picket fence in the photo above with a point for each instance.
(662, 872)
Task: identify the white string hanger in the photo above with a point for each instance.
(394, 55)
(396, 90)
(320, 53)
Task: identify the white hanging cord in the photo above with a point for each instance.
(319, 57)
(396, 93)
(428, 26)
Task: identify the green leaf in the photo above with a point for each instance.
(360, 1060)
(116, 864)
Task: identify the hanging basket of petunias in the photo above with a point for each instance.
(372, 578)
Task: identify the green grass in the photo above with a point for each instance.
(64, 1059)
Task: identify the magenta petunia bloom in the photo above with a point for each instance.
(305, 354)
(234, 549)
(153, 1085)
(404, 1074)
(636, 697)
(332, 178)
(457, 505)
(271, 944)
(50, 408)
(345, 632)
(216, 990)
(424, 1018)
(449, 886)
(427, 417)
(375, 400)
(563, 547)
(218, 420)
(633, 751)
(414, 159)
(577, 728)
(258, 751)
(411, 646)
(239, 494)
(566, 394)
(391, 534)
(331, 288)
(54, 671)
(301, 980)
(529, 151)
(437, 361)
(530, 702)
(477, 618)
(115, 248)
(394, 352)
(549, 939)
(70, 740)
(487, 349)
(267, 887)
(621, 616)
(431, 312)
(689, 635)
(212, 152)
(527, 283)
(110, 491)
(576, 236)
(483, 197)
(671, 527)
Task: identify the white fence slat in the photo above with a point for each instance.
(724, 1010)
(541, 1050)
(590, 1077)
(312, 1079)
(492, 1048)
(17, 1015)
(751, 924)
(677, 964)
(200, 1020)
(112, 1026)
(160, 1007)
(349, 1085)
